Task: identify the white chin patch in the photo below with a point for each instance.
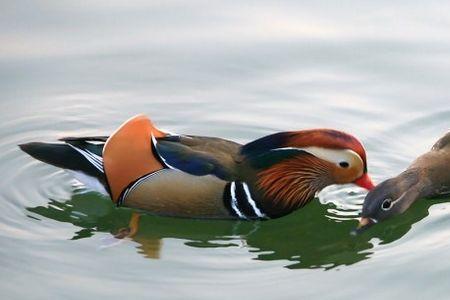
(89, 182)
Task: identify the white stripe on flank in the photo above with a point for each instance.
(91, 159)
(252, 202)
(234, 201)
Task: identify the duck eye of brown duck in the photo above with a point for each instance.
(387, 204)
(344, 164)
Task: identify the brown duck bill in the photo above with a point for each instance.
(363, 225)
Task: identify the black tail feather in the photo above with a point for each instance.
(63, 156)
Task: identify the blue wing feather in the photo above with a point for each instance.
(186, 159)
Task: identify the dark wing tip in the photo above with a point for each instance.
(266, 143)
(30, 148)
(84, 139)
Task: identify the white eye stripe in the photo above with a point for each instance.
(392, 202)
(334, 156)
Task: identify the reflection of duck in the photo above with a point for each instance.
(188, 176)
(428, 176)
(306, 239)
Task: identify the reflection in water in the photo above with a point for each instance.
(307, 238)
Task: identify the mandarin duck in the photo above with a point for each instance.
(428, 176)
(143, 167)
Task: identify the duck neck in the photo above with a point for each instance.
(242, 202)
(266, 194)
(284, 179)
(285, 187)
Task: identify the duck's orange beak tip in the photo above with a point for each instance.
(365, 182)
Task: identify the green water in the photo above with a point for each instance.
(238, 70)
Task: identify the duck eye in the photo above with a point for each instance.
(387, 204)
(344, 164)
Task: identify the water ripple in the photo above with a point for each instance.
(44, 207)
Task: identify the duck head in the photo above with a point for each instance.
(427, 176)
(390, 198)
(291, 167)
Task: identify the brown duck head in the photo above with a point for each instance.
(287, 169)
(427, 176)
(390, 198)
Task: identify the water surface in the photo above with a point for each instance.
(236, 70)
